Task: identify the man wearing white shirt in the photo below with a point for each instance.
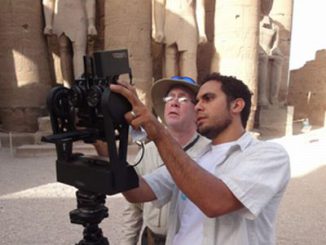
(232, 194)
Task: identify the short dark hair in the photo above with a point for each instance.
(234, 89)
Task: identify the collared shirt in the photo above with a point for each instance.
(137, 215)
(191, 217)
(257, 173)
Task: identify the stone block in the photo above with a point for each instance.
(274, 122)
(16, 139)
(44, 124)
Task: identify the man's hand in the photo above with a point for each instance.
(92, 30)
(202, 39)
(140, 115)
(48, 30)
(159, 37)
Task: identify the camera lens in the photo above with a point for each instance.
(76, 95)
(94, 96)
(60, 102)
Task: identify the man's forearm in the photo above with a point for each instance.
(200, 16)
(101, 148)
(208, 192)
(90, 11)
(143, 193)
(48, 9)
(159, 14)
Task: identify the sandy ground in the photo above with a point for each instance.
(34, 207)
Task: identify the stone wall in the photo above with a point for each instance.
(24, 77)
(307, 90)
(231, 28)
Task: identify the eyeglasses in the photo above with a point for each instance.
(181, 100)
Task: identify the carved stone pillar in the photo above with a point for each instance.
(282, 12)
(273, 119)
(236, 42)
(128, 25)
(24, 77)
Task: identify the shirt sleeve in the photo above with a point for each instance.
(257, 175)
(162, 185)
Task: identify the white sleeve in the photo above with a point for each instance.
(162, 185)
(262, 173)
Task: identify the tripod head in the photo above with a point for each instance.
(89, 104)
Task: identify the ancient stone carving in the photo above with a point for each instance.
(180, 25)
(73, 22)
(270, 58)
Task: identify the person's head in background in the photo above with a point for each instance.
(174, 103)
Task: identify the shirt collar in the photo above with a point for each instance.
(242, 143)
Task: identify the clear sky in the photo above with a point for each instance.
(308, 31)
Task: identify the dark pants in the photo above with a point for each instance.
(150, 238)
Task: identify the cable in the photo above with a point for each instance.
(142, 145)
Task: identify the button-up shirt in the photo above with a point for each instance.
(257, 173)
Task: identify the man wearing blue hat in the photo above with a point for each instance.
(173, 102)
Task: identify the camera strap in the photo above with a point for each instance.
(187, 147)
(191, 144)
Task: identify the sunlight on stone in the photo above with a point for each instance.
(25, 69)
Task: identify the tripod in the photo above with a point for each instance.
(89, 213)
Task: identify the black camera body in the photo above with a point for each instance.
(89, 111)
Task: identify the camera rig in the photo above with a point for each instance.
(89, 111)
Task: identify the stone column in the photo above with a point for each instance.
(273, 119)
(128, 25)
(236, 42)
(282, 13)
(24, 77)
